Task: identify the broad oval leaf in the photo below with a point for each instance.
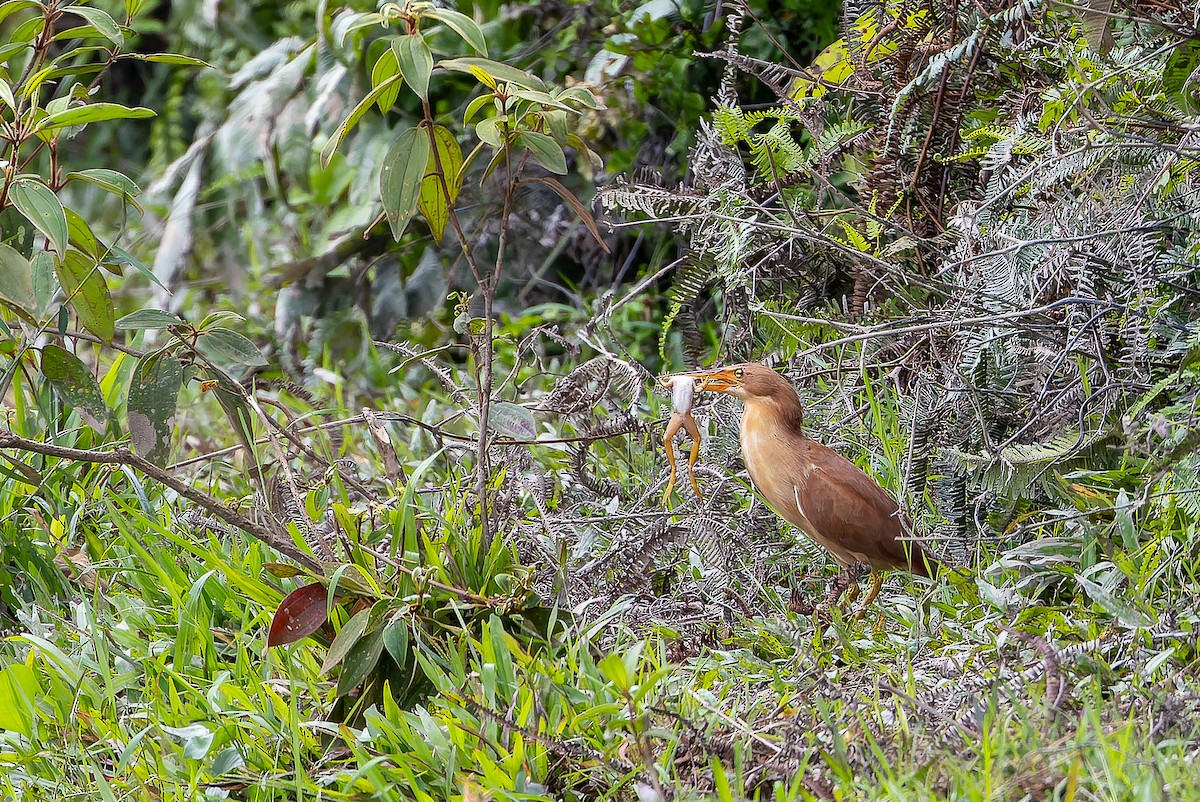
(346, 638)
(416, 62)
(76, 385)
(548, 153)
(19, 692)
(16, 281)
(42, 207)
(512, 420)
(79, 234)
(148, 319)
(464, 26)
(233, 346)
(401, 177)
(45, 281)
(492, 69)
(153, 396)
(300, 614)
(105, 25)
(93, 113)
(110, 181)
(361, 661)
(386, 67)
(433, 202)
(395, 638)
(87, 293)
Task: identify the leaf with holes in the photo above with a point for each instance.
(153, 395)
(401, 178)
(76, 385)
(93, 113)
(300, 614)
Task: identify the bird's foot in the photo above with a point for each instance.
(847, 579)
(876, 583)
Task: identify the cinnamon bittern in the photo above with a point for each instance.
(812, 486)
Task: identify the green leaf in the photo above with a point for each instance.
(93, 113)
(41, 207)
(463, 25)
(13, 6)
(153, 396)
(489, 130)
(401, 178)
(16, 281)
(475, 105)
(512, 420)
(395, 638)
(79, 234)
(168, 58)
(1123, 611)
(345, 640)
(1181, 76)
(87, 293)
(482, 67)
(386, 66)
(110, 181)
(76, 385)
(233, 346)
(416, 62)
(433, 202)
(363, 659)
(233, 401)
(19, 692)
(105, 25)
(45, 282)
(548, 153)
(355, 115)
(148, 319)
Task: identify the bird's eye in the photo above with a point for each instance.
(738, 372)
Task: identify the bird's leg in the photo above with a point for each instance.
(876, 584)
(847, 578)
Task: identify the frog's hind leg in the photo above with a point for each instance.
(674, 426)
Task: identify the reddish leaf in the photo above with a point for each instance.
(299, 615)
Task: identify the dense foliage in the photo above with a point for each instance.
(331, 463)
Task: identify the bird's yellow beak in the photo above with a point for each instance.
(717, 381)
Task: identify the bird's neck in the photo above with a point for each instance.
(784, 410)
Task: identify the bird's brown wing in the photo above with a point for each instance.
(851, 513)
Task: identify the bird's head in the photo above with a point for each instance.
(755, 386)
(746, 381)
